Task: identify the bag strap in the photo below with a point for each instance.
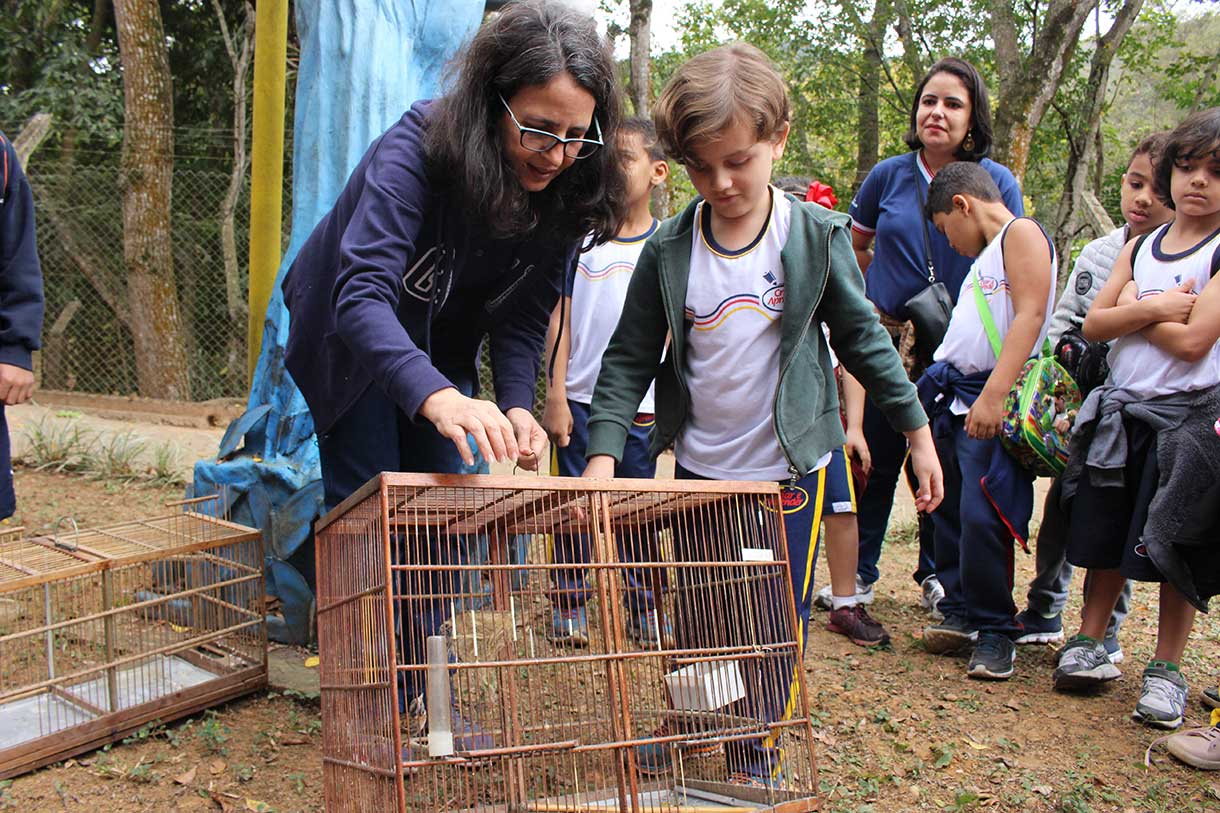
(980, 302)
(923, 219)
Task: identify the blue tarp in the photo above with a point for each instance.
(363, 62)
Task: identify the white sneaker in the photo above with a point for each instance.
(822, 598)
(932, 594)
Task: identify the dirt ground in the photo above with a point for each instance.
(897, 729)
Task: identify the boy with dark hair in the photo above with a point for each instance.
(1042, 619)
(988, 497)
(20, 305)
(579, 332)
(742, 282)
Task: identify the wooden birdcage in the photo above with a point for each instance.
(438, 592)
(105, 630)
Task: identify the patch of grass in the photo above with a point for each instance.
(56, 445)
(213, 733)
(117, 457)
(165, 469)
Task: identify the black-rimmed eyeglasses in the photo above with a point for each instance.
(541, 141)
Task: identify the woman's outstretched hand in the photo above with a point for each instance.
(454, 415)
(530, 438)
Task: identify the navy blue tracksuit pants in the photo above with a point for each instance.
(974, 547)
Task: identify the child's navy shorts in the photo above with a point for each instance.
(1107, 524)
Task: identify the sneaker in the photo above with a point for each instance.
(569, 627)
(1162, 698)
(1198, 747)
(858, 626)
(864, 595)
(949, 636)
(1211, 698)
(933, 592)
(657, 757)
(1038, 629)
(1110, 642)
(643, 628)
(992, 658)
(1083, 664)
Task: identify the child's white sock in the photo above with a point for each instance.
(839, 602)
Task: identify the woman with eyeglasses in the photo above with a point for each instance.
(457, 226)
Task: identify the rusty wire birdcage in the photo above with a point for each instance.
(689, 675)
(104, 630)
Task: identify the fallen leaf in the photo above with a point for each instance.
(1012, 705)
(186, 778)
(293, 739)
(1042, 790)
(312, 662)
(178, 628)
(978, 746)
(70, 763)
(217, 767)
(256, 806)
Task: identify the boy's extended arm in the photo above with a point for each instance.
(1107, 319)
(1193, 340)
(853, 411)
(1027, 265)
(557, 415)
(21, 302)
(865, 350)
(630, 361)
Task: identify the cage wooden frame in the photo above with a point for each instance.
(369, 762)
(155, 619)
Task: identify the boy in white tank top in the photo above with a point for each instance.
(1136, 466)
(988, 496)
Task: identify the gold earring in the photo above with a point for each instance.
(968, 141)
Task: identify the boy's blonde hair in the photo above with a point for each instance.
(716, 89)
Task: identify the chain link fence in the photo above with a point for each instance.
(87, 335)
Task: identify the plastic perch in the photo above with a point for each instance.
(440, 732)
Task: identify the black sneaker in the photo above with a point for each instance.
(992, 657)
(1211, 698)
(1038, 629)
(949, 636)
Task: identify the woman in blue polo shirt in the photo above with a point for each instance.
(895, 245)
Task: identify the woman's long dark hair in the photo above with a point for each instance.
(980, 108)
(529, 43)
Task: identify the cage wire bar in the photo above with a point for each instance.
(104, 630)
(637, 717)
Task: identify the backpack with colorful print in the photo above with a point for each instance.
(1041, 408)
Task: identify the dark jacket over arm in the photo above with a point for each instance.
(21, 303)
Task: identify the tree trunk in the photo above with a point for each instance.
(240, 54)
(639, 32)
(1083, 126)
(867, 124)
(1029, 81)
(162, 370)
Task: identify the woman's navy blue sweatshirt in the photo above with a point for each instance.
(397, 286)
(20, 275)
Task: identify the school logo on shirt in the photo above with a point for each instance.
(989, 284)
(773, 298)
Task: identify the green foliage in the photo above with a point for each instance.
(213, 733)
(56, 445)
